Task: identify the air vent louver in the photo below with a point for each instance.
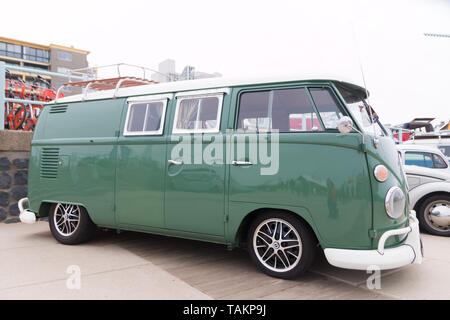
(58, 109)
(49, 163)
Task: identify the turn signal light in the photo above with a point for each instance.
(381, 173)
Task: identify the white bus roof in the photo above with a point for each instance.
(209, 83)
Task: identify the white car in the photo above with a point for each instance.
(441, 140)
(428, 174)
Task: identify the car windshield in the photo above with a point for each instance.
(364, 114)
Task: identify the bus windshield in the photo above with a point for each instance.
(363, 113)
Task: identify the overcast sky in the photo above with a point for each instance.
(406, 73)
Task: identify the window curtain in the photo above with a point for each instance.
(187, 114)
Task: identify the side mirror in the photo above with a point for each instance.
(345, 124)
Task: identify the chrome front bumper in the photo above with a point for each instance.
(410, 251)
(26, 216)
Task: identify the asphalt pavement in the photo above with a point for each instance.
(141, 266)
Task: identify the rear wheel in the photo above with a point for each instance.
(70, 224)
(281, 245)
(434, 215)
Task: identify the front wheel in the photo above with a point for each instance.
(70, 224)
(281, 245)
(434, 215)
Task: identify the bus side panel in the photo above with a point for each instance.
(85, 177)
(140, 181)
(323, 173)
(74, 159)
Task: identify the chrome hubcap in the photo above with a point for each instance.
(437, 215)
(66, 219)
(277, 245)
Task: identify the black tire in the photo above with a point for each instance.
(306, 249)
(83, 231)
(425, 220)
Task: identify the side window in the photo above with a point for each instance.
(145, 118)
(439, 163)
(254, 112)
(327, 106)
(413, 159)
(428, 160)
(198, 114)
(285, 110)
(419, 159)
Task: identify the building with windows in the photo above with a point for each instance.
(53, 57)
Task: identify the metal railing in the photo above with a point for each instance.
(89, 84)
(419, 135)
(3, 99)
(119, 77)
(145, 71)
(89, 74)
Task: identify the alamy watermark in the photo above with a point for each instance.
(73, 282)
(260, 149)
(374, 280)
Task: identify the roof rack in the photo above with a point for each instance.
(105, 84)
(114, 83)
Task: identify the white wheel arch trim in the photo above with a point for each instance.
(420, 191)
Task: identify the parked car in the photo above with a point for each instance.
(428, 175)
(122, 159)
(439, 139)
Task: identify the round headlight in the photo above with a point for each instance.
(381, 173)
(395, 202)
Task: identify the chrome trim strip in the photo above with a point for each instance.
(202, 92)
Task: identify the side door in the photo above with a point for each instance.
(141, 161)
(195, 168)
(265, 156)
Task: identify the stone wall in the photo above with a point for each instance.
(14, 158)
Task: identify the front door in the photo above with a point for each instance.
(292, 155)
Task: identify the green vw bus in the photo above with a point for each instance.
(278, 166)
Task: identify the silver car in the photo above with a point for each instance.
(428, 173)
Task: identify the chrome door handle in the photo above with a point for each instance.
(241, 163)
(174, 162)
